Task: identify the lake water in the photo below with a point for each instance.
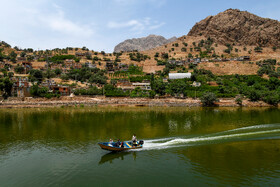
(183, 147)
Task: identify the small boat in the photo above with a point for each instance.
(127, 145)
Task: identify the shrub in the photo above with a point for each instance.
(208, 99)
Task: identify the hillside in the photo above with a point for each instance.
(228, 35)
(239, 27)
(141, 44)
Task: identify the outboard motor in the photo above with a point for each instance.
(141, 142)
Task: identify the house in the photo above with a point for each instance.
(174, 76)
(177, 62)
(142, 86)
(244, 58)
(196, 84)
(21, 87)
(78, 54)
(90, 65)
(48, 83)
(124, 84)
(21, 58)
(122, 67)
(62, 90)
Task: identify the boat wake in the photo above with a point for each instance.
(257, 132)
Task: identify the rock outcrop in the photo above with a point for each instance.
(240, 28)
(142, 44)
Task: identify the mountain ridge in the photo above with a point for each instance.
(142, 44)
(239, 27)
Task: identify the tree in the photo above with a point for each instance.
(12, 56)
(23, 54)
(49, 74)
(35, 90)
(36, 75)
(208, 99)
(159, 87)
(19, 69)
(272, 98)
(6, 87)
(57, 71)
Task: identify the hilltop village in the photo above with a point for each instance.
(213, 61)
(80, 71)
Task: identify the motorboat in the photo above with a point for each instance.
(124, 146)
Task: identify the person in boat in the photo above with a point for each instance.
(110, 141)
(134, 140)
(118, 144)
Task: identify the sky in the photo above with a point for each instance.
(101, 24)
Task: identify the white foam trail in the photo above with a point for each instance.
(178, 142)
(252, 127)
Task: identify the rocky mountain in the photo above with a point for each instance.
(142, 44)
(239, 27)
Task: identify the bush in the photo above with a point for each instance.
(272, 98)
(208, 99)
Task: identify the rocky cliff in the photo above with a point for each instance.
(142, 44)
(239, 27)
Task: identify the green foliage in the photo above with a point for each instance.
(60, 58)
(258, 49)
(161, 62)
(37, 91)
(12, 56)
(49, 74)
(57, 71)
(6, 87)
(185, 44)
(229, 48)
(135, 70)
(272, 98)
(176, 87)
(111, 91)
(35, 75)
(19, 69)
(159, 87)
(93, 75)
(137, 92)
(90, 91)
(139, 78)
(165, 55)
(208, 99)
(138, 57)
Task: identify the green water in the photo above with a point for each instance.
(183, 147)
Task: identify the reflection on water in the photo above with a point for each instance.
(118, 156)
(197, 147)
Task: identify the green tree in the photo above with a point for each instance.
(209, 99)
(6, 87)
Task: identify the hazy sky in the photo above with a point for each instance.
(102, 24)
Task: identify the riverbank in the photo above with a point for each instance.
(30, 102)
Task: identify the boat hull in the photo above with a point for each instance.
(111, 147)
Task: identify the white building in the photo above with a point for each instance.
(179, 75)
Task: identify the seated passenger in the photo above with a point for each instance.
(110, 142)
(118, 143)
(134, 140)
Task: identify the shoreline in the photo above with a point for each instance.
(64, 101)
